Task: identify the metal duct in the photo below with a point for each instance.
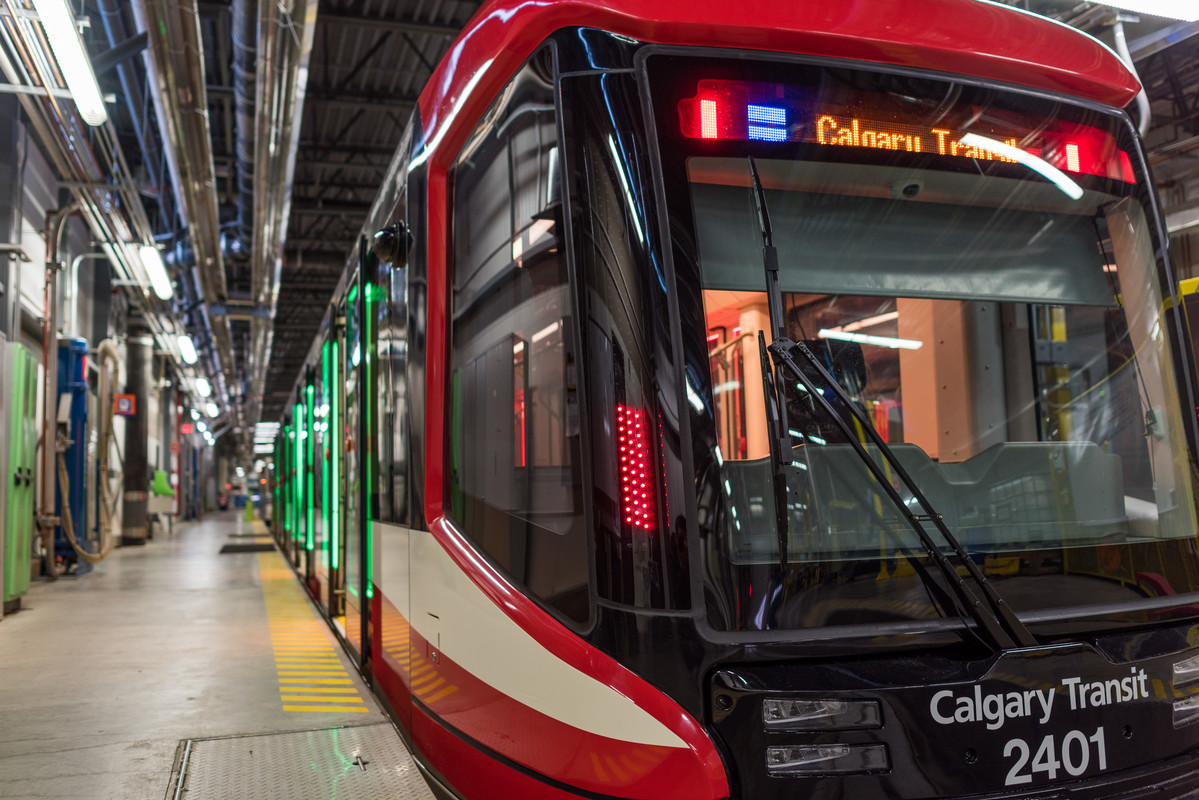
(245, 79)
(131, 87)
(175, 64)
(284, 50)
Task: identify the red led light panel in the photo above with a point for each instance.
(1072, 160)
(707, 118)
(636, 487)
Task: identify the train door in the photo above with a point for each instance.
(312, 471)
(388, 459)
(319, 581)
(356, 586)
(334, 591)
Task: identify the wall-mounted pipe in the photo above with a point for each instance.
(56, 220)
(179, 90)
(71, 326)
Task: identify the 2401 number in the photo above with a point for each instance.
(1074, 756)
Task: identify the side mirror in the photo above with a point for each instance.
(392, 244)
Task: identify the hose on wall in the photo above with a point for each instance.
(108, 361)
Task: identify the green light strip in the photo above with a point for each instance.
(370, 452)
(335, 396)
(277, 509)
(310, 478)
(285, 473)
(300, 427)
(326, 512)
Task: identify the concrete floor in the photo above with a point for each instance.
(102, 676)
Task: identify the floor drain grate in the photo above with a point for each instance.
(247, 548)
(365, 761)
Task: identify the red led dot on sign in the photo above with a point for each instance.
(707, 117)
(1072, 160)
(636, 490)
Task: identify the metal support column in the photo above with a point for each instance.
(139, 354)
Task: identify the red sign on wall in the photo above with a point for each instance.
(187, 427)
(125, 405)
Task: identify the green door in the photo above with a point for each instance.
(22, 440)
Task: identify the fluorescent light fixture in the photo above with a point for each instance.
(869, 322)
(1037, 165)
(203, 387)
(156, 270)
(1185, 10)
(187, 349)
(862, 338)
(59, 22)
(213, 410)
(201, 427)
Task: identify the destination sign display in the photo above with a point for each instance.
(777, 113)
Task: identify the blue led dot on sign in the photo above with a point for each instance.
(771, 123)
(768, 114)
(761, 133)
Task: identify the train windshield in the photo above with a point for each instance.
(975, 271)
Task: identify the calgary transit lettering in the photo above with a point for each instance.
(948, 708)
(882, 136)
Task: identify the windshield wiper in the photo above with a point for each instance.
(997, 622)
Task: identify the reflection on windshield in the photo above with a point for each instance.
(1045, 433)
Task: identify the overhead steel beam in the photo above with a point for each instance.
(1159, 40)
(392, 25)
(332, 164)
(324, 150)
(384, 103)
(330, 207)
(325, 245)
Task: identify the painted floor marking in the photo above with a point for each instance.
(312, 677)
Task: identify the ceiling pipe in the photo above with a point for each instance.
(245, 79)
(284, 50)
(90, 162)
(1144, 114)
(131, 86)
(175, 64)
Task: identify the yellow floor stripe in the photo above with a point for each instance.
(312, 677)
(327, 709)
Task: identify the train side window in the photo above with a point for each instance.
(388, 306)
(513, 473)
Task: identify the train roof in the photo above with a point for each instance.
(964, 37)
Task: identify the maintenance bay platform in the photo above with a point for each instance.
(188, 668)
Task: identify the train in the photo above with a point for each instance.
(788, 401)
